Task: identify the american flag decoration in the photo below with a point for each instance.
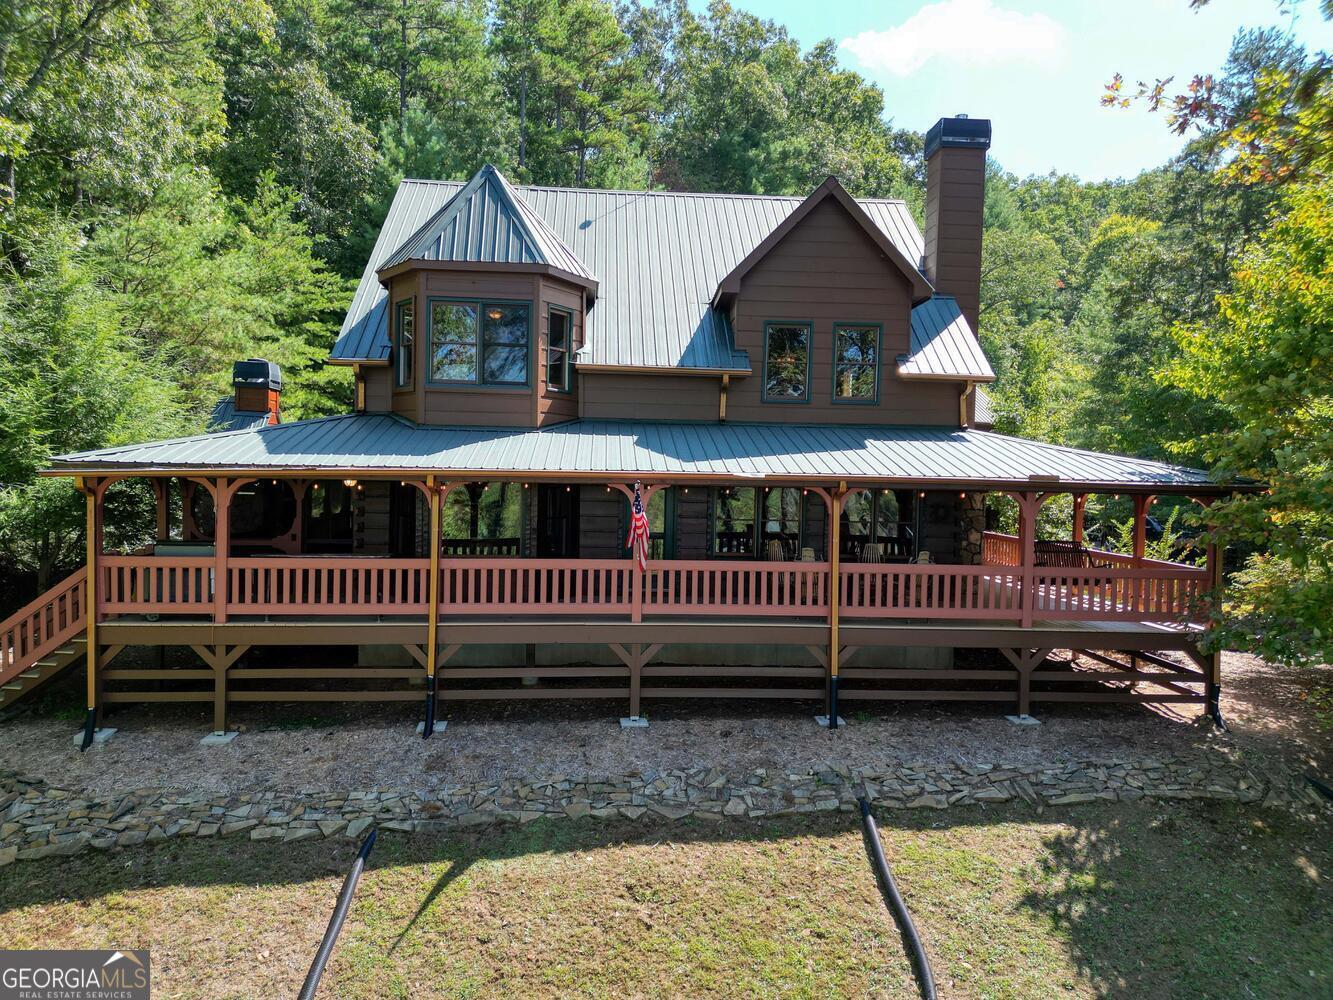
(638, 531)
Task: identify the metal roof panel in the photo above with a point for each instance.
(627, 448)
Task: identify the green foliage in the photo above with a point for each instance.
(72, 378)
(1265, 361)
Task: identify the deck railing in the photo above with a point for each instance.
(718, 587)
(670, 587)
(42, 626)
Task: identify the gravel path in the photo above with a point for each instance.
(358, 747)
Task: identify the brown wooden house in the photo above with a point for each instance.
(793, 382)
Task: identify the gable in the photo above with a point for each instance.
(827, 195)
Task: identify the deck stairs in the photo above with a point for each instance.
(43, 639)
(54, 663)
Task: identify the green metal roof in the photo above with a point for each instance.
(658, 257)
(370, 443)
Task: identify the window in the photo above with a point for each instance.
(856, 363)
(557, 350)
(879, 526)
(484, 343)
(402, 343)
(787, 362)
(775, 533)
(484, 519)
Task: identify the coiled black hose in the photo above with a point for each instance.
(336, 921)
(894, 900)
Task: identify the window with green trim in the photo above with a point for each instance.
(751, 522)
(484, 343)
(558, 323)
(786, 362)
(856, 363)
(402, 343)
(879, 526)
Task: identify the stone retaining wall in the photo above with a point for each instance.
(38, 820)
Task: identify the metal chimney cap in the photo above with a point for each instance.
(257, 371)
(960, 132)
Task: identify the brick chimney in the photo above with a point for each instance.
(955, 195)
(258, 386)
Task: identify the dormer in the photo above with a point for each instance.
(485, 310)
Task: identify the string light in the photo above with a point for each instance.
(349, 483)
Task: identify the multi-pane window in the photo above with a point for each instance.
(482, 343)
(856, 363)
(879, 526)
(402, 343)
(752, 522)
(484, 519)
(786, 362)
(557, 350)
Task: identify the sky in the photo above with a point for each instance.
(1036, 68)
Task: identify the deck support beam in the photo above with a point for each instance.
(634, 657)
(835, 500)
(432, 607)
(94, 491)
(1025, 661)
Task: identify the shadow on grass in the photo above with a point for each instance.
(1128, 901)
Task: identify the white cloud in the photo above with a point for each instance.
(967, 32)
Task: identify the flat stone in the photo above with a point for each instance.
(8, 855)
(634, 722)
(218, 739)
(266, 832)
(240, 826)
(1023, 720)
(299, 833)
(438, 727)
(358, 826)
(823, 721)
(331, 827)
(100, 736)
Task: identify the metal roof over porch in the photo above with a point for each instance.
(369, 444)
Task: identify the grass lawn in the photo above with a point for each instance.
(1182, 900)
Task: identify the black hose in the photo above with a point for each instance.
(89, 728)
(894, 900)
(336, 921)
(1320, 787)
(429, 726)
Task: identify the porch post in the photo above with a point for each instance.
(835, 599)
(221, 546)
(432, 607)
(1212, 667)
(93, 491)
(1080, 504)
(1141, 503)
(162, 491)
(1028, 506)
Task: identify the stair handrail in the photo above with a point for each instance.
(43, 624)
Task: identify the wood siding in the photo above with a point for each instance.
(828, 271)
(553, 406)
(378, 383)
(633, 396)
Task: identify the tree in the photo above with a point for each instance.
(71, 379)
(1266, 363)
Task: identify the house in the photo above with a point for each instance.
(790, 386)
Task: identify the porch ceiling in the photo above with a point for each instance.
(380, 444)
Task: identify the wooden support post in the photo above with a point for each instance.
(635, 678)
(93, 491)
(835, 599)
(1028, 506)
(1141, 503)
(162, 493)
(1080, 505)
(1025, 661)
(433, 607)
(1213, 667)
(221, 546)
